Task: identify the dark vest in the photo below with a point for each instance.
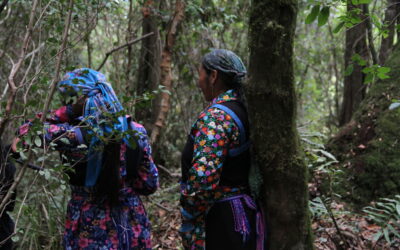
(236, 165)
(133, 159)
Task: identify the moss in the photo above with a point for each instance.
(369, 147)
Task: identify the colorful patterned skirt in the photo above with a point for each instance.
(93, 224)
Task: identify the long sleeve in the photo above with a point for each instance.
(146, 181)
(213, 134)
(66, 137)
(60, 115)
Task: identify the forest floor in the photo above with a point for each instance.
(341, 230)
(349, 230)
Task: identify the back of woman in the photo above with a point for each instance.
(110, 165)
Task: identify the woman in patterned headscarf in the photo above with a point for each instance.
(111, 164)
(217, 209)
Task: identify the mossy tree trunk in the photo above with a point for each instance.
(391, 13)
(272, 109)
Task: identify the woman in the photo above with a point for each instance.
(7, 172)
(111, 164)
(217, 210)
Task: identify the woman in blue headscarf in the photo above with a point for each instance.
(111, 165)
(217, 209)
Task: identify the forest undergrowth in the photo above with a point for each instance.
(334, 223)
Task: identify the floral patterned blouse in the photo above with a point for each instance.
(214, 134)
(92, 224)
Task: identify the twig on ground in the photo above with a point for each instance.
(164, 169)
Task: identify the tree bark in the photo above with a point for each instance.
(87, 37)
(391, 13)
(371, 45)
(150, 59)
(129, 36)
(272, 111)
(163, 102)
(354, 87)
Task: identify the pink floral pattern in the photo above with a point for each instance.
(94, 224)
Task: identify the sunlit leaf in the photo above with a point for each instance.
(323, 16)
(391, 107)
(313, 14)
(338, 27)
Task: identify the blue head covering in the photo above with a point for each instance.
(227, 62)
(100, 99)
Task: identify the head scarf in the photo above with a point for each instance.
(100, 99)
(227, 62)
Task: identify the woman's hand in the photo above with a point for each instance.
(14, 144)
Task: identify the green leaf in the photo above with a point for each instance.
(382, 76)
(384, 70)
(65, 140)
(338, 27)
(23, 156)
(367, 70)
(391, 107)
(313, 14)
(52, 40)
(327, 154)
(394, 231)
(369, 78)
(323, 16)
(349, 70)
(38, 141)
(82, 146)
(377, 236)
(357, 2)
(386, 234)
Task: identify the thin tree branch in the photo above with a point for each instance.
(173, 175)
(13, 88)
(15, 68)
(59, 59)
(123, 46)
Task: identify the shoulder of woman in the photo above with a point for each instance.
(213, 117)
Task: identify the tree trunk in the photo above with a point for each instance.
(150, 59)
(3, 5)
(272, 111)
(390, 20)
(163, 101)
(354, 87)
(129, 37)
